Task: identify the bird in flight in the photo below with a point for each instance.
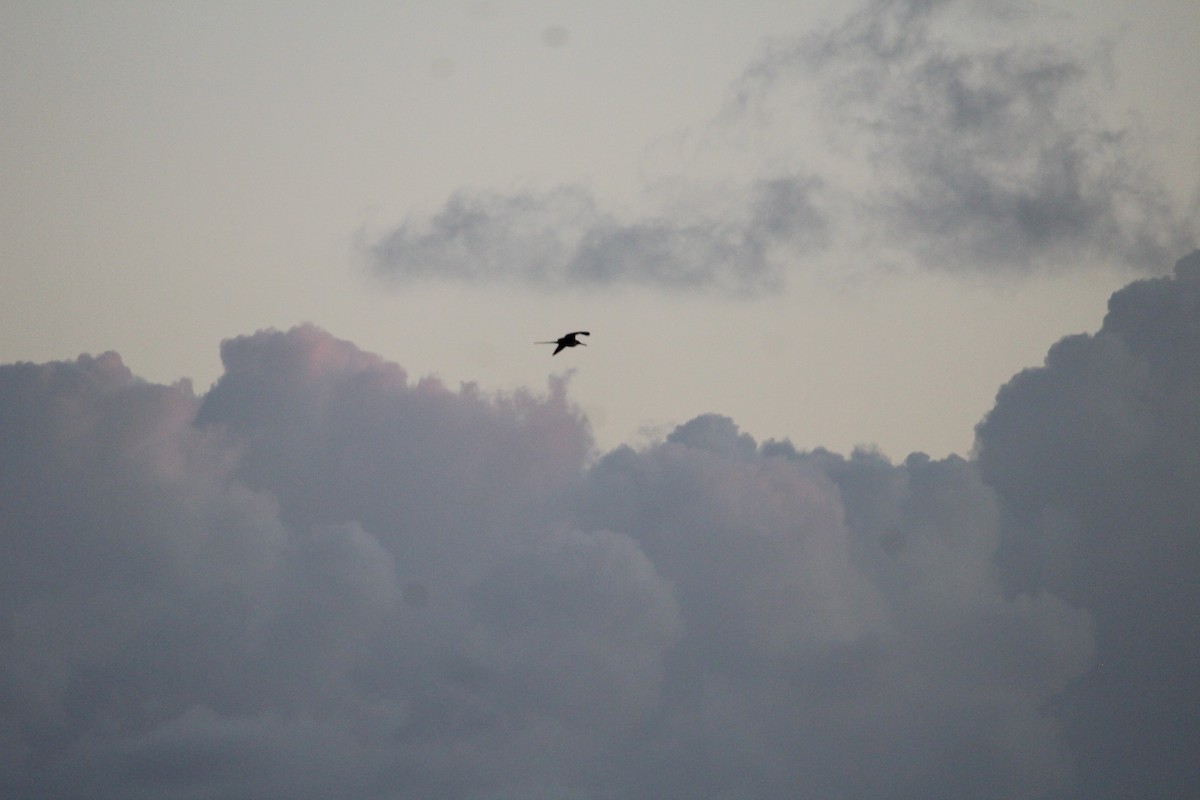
(568, 340)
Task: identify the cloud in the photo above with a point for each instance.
(320, 578)
(323, 579)
(980, 157)
(1094, 456)
(894, 136)
(316, 580)
(839, 612)
(562, 238)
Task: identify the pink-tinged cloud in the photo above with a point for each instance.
(321, 579)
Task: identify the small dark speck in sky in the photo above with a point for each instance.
(416, 594)
(555, 36)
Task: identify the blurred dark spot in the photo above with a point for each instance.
(555, 36)
(415, 594)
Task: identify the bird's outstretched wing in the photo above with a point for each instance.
(558, 349)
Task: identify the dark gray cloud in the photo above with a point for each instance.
(939, 152)
(563, 238)
(1096, 457)
(324, 579)
(319, 580)
(981, 157)
(844, 629)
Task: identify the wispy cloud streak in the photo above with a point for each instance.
(563, 239)
(981, 157)
(935, 152)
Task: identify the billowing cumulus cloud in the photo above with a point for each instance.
(324, 579)
(1096, 456)
(319, 580)
(846, 632)
(894, 136)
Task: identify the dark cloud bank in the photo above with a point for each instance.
(989, 158)
(322, 579)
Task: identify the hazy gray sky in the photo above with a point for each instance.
(383, 546)
(176, 175)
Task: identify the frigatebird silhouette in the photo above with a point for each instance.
(567, 340)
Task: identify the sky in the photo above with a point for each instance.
(785, 221)
(877, 477)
